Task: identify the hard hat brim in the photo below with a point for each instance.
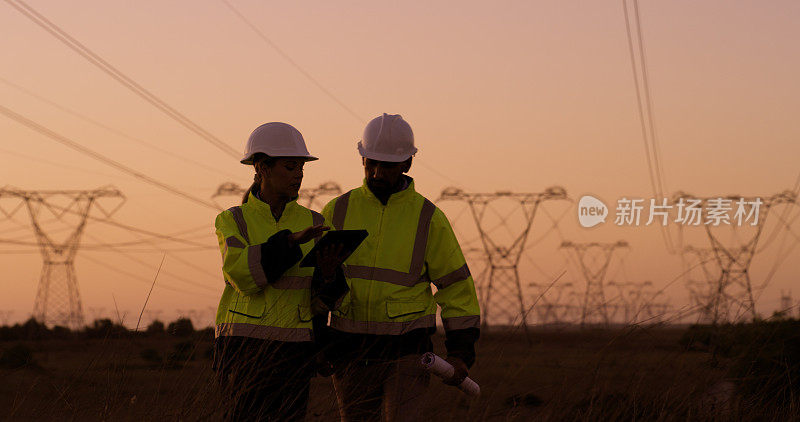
(248, 159)
(389, 158)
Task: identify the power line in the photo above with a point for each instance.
(189, 264)
(145, 264)
(659, 171)
(153, 237)
(314, 80)
(129, 83)
(645, 109)
(111, 129)
(114, 223)
(120, 77)
(292, 62)
(97, 156)
(140, 278)
(54, 163)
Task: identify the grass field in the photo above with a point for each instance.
(624, 374)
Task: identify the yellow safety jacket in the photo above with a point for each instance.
(410, 245)
(250, 306)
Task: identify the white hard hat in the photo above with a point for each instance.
(387, 138)
(276, 139)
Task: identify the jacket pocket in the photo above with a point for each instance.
(396, 309)
(251, 306)
(304, 313)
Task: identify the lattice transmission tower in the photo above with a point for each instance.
(786, 303)
(58, 299)
(308, 197)
(733, 293)
(631, 298)
(502, 299)
(593, 303)
(706, 294)
(552, 305)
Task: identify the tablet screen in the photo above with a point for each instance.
(351, 239)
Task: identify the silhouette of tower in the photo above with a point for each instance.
(58, 300)
(734, 291)
(502, 300)
(594, 303)
(308, 197)
(786, 302)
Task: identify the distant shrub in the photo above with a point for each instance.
(181, 327)
(17, 356)
(102, 328)
(156, 328)
(32, 330)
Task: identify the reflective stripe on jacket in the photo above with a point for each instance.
(250, 305)
(410, 245)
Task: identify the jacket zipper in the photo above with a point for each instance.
(375, 263)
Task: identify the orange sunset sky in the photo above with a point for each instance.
(512, 96)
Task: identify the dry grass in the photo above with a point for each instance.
(624, 374)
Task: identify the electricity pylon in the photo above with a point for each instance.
(5, 316)
(786, 303)
(594, 299)
(58, 300)
(503, 291)
(550, 309)
(706, 293)
(631, 298)
(734, 287)
(653, 309)
(308, 196)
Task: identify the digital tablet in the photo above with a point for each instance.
(349, 238)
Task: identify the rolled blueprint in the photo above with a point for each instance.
(441, 368)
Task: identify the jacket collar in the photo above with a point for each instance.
(263, 208)
(408, 192)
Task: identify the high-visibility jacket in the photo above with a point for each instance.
(410, 245)
(250, 305)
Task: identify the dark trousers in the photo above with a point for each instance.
(383, 390)
(263, 380)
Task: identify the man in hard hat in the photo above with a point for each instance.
(384, 324)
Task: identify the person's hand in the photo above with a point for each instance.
(460, 371)
(303, 236)
(329, 259)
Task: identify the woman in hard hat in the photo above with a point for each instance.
(264, 350)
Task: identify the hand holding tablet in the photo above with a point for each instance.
(349, 239)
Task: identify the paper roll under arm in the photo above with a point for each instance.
(441, 368)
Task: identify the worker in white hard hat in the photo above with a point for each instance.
(385, 321)
(264, 351)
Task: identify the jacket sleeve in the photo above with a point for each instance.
(248, 268)
(327, 213)
(456, 295)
